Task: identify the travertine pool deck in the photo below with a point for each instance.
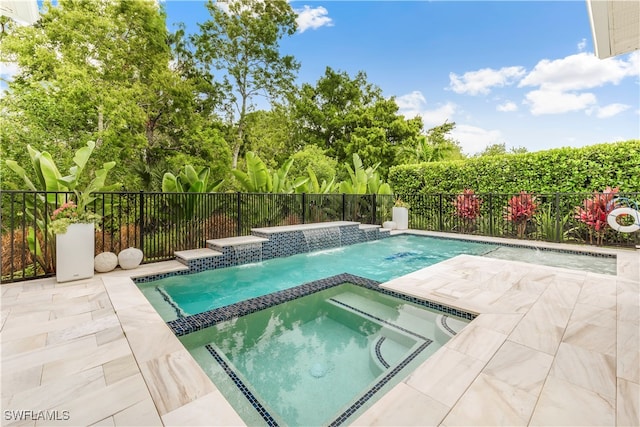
(550, 347)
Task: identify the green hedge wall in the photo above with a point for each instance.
(586, 169)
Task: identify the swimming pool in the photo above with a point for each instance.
(320, 359)
(380, 260)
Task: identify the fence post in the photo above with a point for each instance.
(142, 221)
(491, 214)
(304, 206)
(440, 219)
(344, 196)
(558, 236)
(239, 224)
(374, 208)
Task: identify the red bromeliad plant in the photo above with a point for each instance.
(467, 207)
(520, 209)
(594, 211)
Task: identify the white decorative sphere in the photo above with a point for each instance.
(106, 261)
(130, 258)
(389, 224)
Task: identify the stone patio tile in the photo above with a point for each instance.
(446, 375)
(587, 369)
(84, 360)
(403, 406)
(59, 391)
(628, 352)
(49, 354)
(509, 406)
(591, 337)
(174, 380)
(120, 368)
(628, 403)
(564, 404)
(477, 342)
(89, 408)
(143, 413)
(211, 409)
(519, 366)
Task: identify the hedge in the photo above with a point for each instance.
(569, 170)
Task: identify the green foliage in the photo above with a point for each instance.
(49, 178)
(363, 181)
(100, 71)
(259, 179)
(242, 40)
(559, 170)
(346, 116)
(435, 146)
(312, 156)
(499, 149)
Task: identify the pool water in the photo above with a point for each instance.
(380, 260)
(316, 359)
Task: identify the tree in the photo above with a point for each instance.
(345, 116)
(437, 146)
(97, 70)
(241, 40)
(499, 149)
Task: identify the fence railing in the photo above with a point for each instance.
(161, 223)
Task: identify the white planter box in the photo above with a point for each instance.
(75, 253)
(401, 218)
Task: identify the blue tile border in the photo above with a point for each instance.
(243, 388)
(200, 321)
(196, 322)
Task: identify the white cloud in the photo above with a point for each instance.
(556, 102)
(313, 18)
(608, 110)
(8, 70)
(582, 45)
(411, 104)
(578, 72)
(474, 139)
(481, 81)
(414, 104)
(507, 107)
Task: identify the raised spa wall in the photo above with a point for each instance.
(272, 242)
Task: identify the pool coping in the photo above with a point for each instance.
(182, 394)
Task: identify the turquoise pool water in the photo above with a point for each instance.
(320, 358)
(380, 260)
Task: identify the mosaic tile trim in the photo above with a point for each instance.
(158, 276)
(307, 289)
(515, 245)
(167, 298)
(203, 320)
(371, 316)
(379, 353)
(196, 322)
(243, 388)
(443, 322)
(373, 390)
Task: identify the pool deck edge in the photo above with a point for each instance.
(98, 349)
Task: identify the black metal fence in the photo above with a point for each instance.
(161, 223)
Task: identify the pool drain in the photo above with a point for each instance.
(319, 370)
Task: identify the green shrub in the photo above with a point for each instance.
(584, 169)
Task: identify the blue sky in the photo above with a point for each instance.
(517, 72)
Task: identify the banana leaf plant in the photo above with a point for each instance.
(51, 190)
(190, 182)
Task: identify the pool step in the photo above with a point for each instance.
(220, 244)
(185, 257)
